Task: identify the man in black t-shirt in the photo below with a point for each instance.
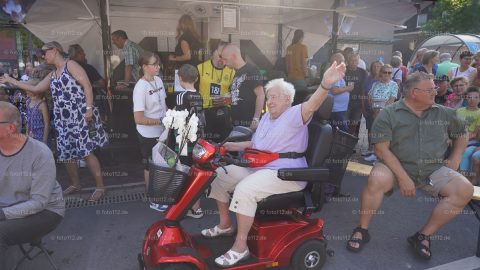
(246, 91)
(356, 76)
(77, 54)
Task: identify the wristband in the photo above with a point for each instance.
(325, 88)
(256, 119)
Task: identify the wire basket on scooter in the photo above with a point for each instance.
(166, 183)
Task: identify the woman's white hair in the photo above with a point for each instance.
(286, 87)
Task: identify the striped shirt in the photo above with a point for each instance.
(131, 53)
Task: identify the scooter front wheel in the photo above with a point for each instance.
(175, 266)
(310, 255)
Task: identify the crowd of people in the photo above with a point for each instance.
(226, 91)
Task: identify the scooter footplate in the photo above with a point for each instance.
(220, 245)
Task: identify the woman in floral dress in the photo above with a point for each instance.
(78, 127)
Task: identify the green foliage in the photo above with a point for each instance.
(454, 16)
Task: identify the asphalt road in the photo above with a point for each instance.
(110, 236)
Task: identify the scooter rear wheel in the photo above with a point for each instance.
(311, 255)
(175, 266)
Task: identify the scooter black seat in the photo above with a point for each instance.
(319, 145)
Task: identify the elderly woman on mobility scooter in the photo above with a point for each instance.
(282, 130)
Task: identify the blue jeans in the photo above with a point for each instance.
(338, 119)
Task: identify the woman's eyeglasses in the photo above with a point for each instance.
(154, 64)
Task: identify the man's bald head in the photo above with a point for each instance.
(10, 113)
(231, 49)
(231, 56)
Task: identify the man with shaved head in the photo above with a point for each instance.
(31, 201)
(246, 89)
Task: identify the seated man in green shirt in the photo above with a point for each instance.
(411, 137)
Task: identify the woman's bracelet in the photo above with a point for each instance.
(324, 88)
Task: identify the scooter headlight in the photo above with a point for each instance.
(198, 152)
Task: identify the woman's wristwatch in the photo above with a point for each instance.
(89, 107)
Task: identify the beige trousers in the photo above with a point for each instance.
(249, 186)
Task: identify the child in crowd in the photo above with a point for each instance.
(471, 114)
(149, 107)
(38, 119)
(192, 101)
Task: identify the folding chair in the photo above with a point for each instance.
(37, 243)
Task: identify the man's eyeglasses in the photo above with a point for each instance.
(467, 58)
(458, 85)
(5, 122)
(431, 90)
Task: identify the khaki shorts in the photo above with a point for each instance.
(438, 179)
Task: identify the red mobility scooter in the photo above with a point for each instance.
(283, 233)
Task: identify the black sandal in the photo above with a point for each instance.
(361, 242)
(420, 249)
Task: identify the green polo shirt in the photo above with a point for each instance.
(419, 143)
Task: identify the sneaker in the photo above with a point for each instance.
(158, 207)
(367, 153)
(371, 158)
(195, 213)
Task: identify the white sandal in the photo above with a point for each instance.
(216, 232)
(233, 258)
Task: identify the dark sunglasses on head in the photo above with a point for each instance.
(45, 51)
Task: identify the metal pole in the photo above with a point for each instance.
(106, 52)
(106, 43)
(280, 41)
(336, 4)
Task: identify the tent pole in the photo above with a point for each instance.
(106, 46)
(336, 4)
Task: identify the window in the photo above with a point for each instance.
(421, 20)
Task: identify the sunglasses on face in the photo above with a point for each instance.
(386, 72)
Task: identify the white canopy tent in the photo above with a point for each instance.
(78, 21)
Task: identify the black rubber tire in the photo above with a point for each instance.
(310, 255)
(175, 266)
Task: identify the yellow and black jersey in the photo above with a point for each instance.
(213, 81)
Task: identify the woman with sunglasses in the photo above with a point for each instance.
(77, 123)
(382, 94)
